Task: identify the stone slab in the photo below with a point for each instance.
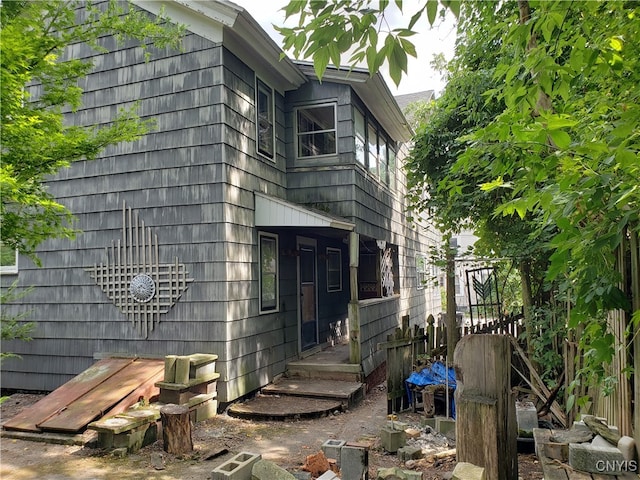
(468, 471)
(593, 459)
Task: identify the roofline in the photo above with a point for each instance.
(222, 20)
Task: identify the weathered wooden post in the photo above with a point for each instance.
(486, 427)
(176, 429)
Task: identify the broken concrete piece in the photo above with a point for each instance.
(593, 459)
(266, 470)
(627, 446)
(468, 471)
(599, 427)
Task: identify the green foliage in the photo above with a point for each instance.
(13, 327)
(327, 31)
(38, 83)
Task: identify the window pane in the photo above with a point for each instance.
(383, 160)
(360, 136)
(392, 167)
(334, 270)
(314, 144)
(265, 120)
(373, 150)
(316, 131)
(8, 259)
(268, 273)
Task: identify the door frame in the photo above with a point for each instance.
(307, 242)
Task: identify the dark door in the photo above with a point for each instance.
(308, 297)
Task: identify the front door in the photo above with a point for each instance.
(308, 292)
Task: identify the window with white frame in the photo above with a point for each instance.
(268, 246)
(422, 271)
(334, 270)
(8, 259)
(360, 131)
(264, 120)
(372, 138)
(316, 130)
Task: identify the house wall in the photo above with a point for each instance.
(377, 210)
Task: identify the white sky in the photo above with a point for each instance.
(431, 41)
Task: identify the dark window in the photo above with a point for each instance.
(264, 120)
(334, 270)
(316, 131)
(268, 272)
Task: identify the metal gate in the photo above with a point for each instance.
(483, 295)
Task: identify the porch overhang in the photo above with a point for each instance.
(275, 212)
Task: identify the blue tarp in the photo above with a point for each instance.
(436, 374)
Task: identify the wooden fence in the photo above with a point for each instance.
(408, 347)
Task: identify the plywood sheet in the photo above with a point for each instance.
(59, 399)
(100, 399)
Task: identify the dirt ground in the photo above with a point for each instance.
(284, 443)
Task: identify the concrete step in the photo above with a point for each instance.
(348, 393)
(345, 372)
(291, 398)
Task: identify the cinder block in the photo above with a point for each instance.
(177, 397)
(446, 426)
(237, 468)
(331, 449)
(207, 410)
(409, 453)
(182, 370)
(468, 471)
(526, 416)
(354, 463)
(397, 425)
(429, 422)
(627, 446)
(392, 439)
(594, 459)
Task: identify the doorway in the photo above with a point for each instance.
(308, 293)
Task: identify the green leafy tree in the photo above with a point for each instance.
(38, 83)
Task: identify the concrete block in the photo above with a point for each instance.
(265, 470)
(302, 475)
(354, 463)
(397, 425)
(182, 369)
(446, 426)
(328, 475)
(468, 471)
(429, 422)
(594, 459)
(176, 397)
(409, 453)
(392, 439)
(599, 441)
(331, 449)
(205, 411)
(236, 468)
(526, 417)
(627, 446)
(412, 475)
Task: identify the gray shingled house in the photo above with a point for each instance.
(263, 218)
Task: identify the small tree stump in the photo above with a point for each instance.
(176, 429)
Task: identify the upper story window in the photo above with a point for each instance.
(264, 121)
(360, 131)
(316, 130)
(8, 259)
(372, 165)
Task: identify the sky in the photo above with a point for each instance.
(431, 41)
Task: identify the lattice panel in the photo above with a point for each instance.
(386, 272)
(133, 277)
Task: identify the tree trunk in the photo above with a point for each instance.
(527, 303)
(176, 429)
